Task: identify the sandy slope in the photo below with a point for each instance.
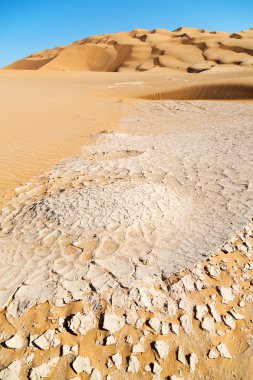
(55, 112)
(186, 49)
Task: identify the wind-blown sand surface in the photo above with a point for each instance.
(132, 257)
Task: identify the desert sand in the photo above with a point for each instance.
(126, 224)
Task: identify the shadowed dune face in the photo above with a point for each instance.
(185, 49)
(208, 92)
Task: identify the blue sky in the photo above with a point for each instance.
(27, 26)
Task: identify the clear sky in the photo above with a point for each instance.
(27, 26)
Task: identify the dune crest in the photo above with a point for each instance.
(186, 49)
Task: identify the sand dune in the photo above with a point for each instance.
(186, 49)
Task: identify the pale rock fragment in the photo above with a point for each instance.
(181, 356)
(95, 375)
(40, 372)
(186, 323)
(109, 363)
(155, 324)
(229, 321)
(185, 305)
(236, 315)
(139, 323)
(133, 365)
(165, 329)
(188, 283)
(15, 342)
(45, 340)
(131, 317)
(226, 294)
(112, 322)
(28, 358)
(193, 359)
(224, 353)
(65, 350)
(11, 372)
(213, 270)
(55, 342)
(110, 340)
(138, 348)
(156, 369)
(172, 307)
(129, 339)
(74, 349)
(201, 311)
(213, 354)
(117, 360)
(82, 323)
(215, 314)
(161, 348)
(174, 328)
(227, 248)
(82, 364)
(208, 325)
(108, 377)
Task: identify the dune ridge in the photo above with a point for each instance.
(186, 49)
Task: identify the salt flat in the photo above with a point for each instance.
(166, 190)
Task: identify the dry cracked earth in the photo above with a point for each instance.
(139, 232)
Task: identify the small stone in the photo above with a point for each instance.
(236, 315)
(65, 350)
(161, 348)
(181, 356)
(82, 364)
(29, 358)
(117, 360)
(129, 339)
(82, 323)
(12, 371)
(224, 353)
(44, 341)
(193, 362)
(133, 365)
(227, 248)
(55, 342)
(165, 329)
(208, 325)
(15, 342)
(174, 328)
(95, 375)
(155, 324)
(74, 349)
(139, 323)
(215, 314)
(213, 354)
(110, 340)
(226, 294)
(186, 323)
(138, 349)
(109, 363)
(213, 270)
(112, 322)
(229, 321)
(185, 305)
(242, 303)
(156, 369)
(39, 372)
(171, 307)
(188, 283)
(131, 317)
(201, 311)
